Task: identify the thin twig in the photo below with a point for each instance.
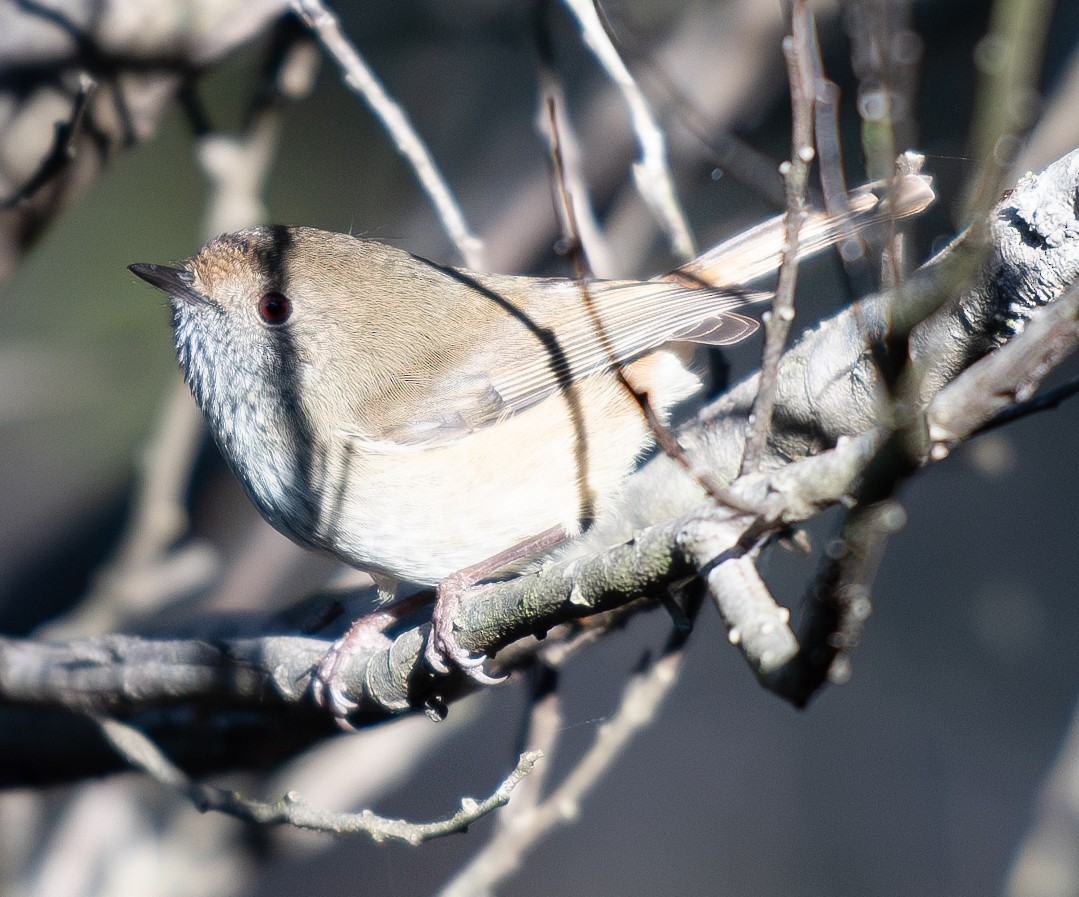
(359, 76)
(884, 50)
(143, 754)
(758, 251)
(64, 146)
(665, 439)
(690, 98)
(557, 131)
(830, 162)
(504, 853)
(799, 49)
(652, 171)
(1046, 401)
(828, 142)
(542, 730)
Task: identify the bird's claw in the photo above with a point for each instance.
(327, 692)
(328, 688)
(442, 653)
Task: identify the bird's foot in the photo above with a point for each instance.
(442, 651)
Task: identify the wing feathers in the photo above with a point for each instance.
(614, 323)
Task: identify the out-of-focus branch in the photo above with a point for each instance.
(64, 147)
(360, 77)
(146, 572)
(139, 56)
(504, 853)
(652, 171)
(1047, 861)
(884, 55)
(1009, 58)
(718, 64)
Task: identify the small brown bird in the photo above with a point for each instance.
(415, 420)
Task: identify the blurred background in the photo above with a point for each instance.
(924, 775)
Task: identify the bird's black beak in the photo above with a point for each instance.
(177, 282)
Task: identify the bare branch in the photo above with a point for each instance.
(652, 171)
(1046, 863)
(360, 77)
(543, 726)
(755, 622)
(1009, 376)
(574, 208)
(758, 251)
(291, 809)
(1044, 401)
(575, 248)
(145, 572)
(65, 147)
(138, 70)
(503, 854)
(799, 49)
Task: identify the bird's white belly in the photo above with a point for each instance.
(422, 513)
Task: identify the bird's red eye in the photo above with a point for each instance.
(274, 308)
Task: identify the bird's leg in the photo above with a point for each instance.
(365, 634)
(442, 651)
